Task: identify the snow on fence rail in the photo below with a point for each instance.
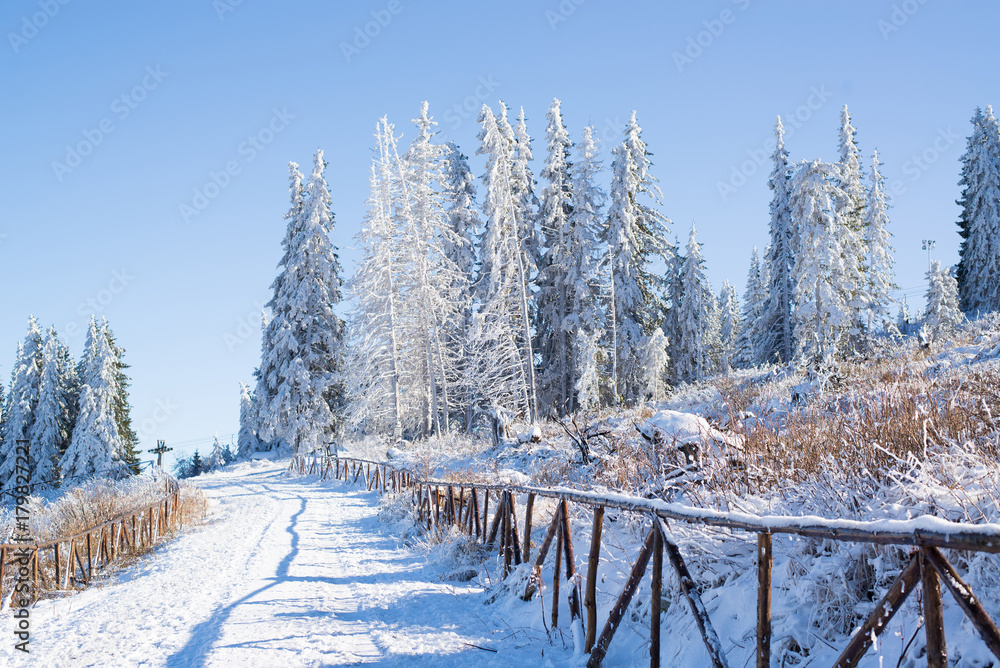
(74, 559)
(466, 505)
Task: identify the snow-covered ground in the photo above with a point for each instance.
(287, 572)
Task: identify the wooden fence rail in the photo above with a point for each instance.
(66, 561)
(466, 505)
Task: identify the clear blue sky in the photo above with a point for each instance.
(105, 233)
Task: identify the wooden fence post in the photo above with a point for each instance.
(963, 594)
(937, 651)
(765, 561)
(528, 507)
(590, 596)
(655, 592)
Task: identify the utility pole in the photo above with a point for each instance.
(161, 447)
(928, 246)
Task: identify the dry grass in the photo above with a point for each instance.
(95, 503)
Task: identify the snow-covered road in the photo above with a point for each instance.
(288, 572)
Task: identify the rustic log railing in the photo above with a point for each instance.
(64, 562)
(466, 506)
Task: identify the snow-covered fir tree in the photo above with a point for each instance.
(655, 363)
(46, 432)
(748, 341)
(634, 233)
(877, 242)
(300, 372)
(96, 447)
(582, 256)
(19, 414)
(69, 387)
(218, 457)
(246, 440)
(979, 223)
(942, 316)
(674, 289)
(502, 356)
(823, 277)
(848, 179)
(463, 214)
(692, 355)
(522, 185)
(588, 369)
(555, 340)
(729, 326)
(777, 344)
(374, 380)
(123, 410)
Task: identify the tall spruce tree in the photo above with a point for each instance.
(942, 315)
(301, 369)
(22, 399)
(634, 233)
(980, 218)
(46, 432)
(555, 341)
(880, 260)
(96, 447)
(748, 342)
(129, 440)
(693, 356)
(776, 315)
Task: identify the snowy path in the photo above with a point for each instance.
(287, 573)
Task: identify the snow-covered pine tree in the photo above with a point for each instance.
(217, 458)
(775, 326)
(880, 260)
(555, 340)
(980, 218)
(302, 368)
(848, 178)
(374, 382)
(824, 284)
(655, 363)
(501, 341)
(674, 289)
(22, 399)
(582, 257)
(69, 387)
(634, 233)
(522, 185)
(748, 342)
(588, 369)
(942, 316)
(96, 447)
(46, 431)
(436, 298)
(461, 248)
(729, 326)
(246, 441)
(692, 357)
(197, 466)
(123, 410)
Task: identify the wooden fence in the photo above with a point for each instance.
(467, 506)
(64, 562)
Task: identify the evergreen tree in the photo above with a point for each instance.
(775, 326)
(675, 290)
(980, 253)
(655, 362)
(69, 387)
(217, 458)
(555, 341)
(588, 369)
(502, 355)
(300, 372)
(880, 260)
(197, 466)
(692, 356)
(46, 430)
(375, 379)
(942, 316)
(822, 276)
(748, 343)
(848, 179)
(96, 447)
(246, 441)
(436, 299)
(729, 326)
(634, 233)
(129, 440)
(21, 401)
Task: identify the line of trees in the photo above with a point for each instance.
(496, 296)
(76, 418)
